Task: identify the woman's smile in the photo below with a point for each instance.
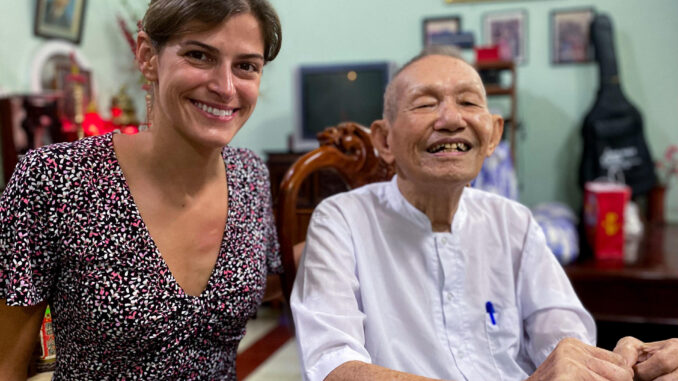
(212, 111)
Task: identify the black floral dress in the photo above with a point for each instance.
(71, 234)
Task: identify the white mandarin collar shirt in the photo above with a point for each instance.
(377, 285)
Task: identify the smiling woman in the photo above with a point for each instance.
(153, 249)
(206, 85)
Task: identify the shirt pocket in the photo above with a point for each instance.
(503, 335)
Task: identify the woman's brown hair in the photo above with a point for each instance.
(165, 19)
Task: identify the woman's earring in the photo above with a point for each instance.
(149, 104)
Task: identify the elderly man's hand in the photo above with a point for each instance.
(650, 360)
(574, 360)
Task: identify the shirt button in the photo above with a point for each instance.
(449, 296)
(443, 240)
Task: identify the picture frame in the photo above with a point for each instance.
(62, 19)
(571, 36)
(508, 30)
(440, 30)
(475, 1)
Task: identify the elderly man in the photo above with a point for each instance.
(423, 276)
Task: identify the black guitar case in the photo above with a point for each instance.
(613, 128)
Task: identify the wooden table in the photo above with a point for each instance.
(638, 299)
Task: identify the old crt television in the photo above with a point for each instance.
(329, 95)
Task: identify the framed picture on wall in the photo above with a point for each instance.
(571, 36)
(441, 30)
(507, 30)
(61, 19)
(469, 1)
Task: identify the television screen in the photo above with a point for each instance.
(333, 94)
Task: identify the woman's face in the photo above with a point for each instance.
(207, 82)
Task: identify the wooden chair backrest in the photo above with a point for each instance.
(346, 148)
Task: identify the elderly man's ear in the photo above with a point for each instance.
(380, 132)
(147, 59)
(497, 132)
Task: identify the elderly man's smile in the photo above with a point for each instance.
(449, 147)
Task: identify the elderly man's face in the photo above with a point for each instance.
(442, 130)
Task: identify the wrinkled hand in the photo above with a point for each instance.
(574, 360)
(651, 361)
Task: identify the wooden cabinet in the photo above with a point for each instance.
(500, 83)
(636, 299)
(28, 122)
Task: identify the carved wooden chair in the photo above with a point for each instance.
(346, 149)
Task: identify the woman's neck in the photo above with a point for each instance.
(171, 162)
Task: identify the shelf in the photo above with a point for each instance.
(497, 65)
(492, 72)
(498, 90)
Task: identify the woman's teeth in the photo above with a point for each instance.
(213, 110)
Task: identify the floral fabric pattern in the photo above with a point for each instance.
(71, 234)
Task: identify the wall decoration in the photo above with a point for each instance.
(508, 31)
(570, 32)
(441, 30)
(60, 19)
(43, 71)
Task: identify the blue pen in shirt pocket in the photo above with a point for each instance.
(489, 308)
(503, 332)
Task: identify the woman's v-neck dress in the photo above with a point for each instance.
(71, 234)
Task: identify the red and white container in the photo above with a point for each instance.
(604, 205)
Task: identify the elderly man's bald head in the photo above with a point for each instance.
(391, 93)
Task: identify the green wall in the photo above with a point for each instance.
(552, 99)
